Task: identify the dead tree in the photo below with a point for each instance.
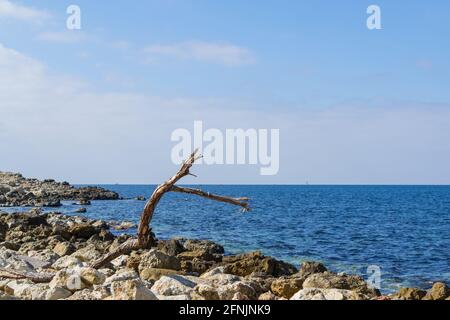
(144, 236)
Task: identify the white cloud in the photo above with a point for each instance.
(54, 126)
(221, 53)
(17, 11)
(66, 37)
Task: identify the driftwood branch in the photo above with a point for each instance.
(144, 236)
(243, 202)
(35, 277)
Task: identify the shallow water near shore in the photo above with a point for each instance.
(405, 230)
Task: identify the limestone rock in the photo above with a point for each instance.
(286, 287)
(155, 273)
(158, 259)
(326, 294)
(439, 291)
(173, 285)
(131, 290)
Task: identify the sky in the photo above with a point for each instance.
(99, 104)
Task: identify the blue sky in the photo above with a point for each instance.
(353, 105)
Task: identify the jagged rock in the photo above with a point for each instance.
(326, 294)
(91, 276)
(122, 275)
(286, 287)
(328, 280)
(171, 247)
(205, 292)
(87, 253)
(202, 245)
(67, 262)
(99, 293)
(131, 290)
(57, 293)
(68, 279)
(19, 288)
(155, 273)
(81, 210)
(64, 248)
(15, 190)
(439, 291)
(308, 268)
(158, 259)
(227, 292)
(409, 294)
(83, 230)
(269, 296)
(173, 285)
(246, 264)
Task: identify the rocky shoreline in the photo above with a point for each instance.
(176, 269)
(17, 191)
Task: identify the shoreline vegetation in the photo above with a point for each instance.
(50, 256)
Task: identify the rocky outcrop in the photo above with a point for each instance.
(17, 191)
(177, 269)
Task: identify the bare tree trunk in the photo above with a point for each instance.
(144, 237)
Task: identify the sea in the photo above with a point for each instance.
(399, 235)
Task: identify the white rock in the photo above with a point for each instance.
(227, 292)
(57, 293)
(87, 253)
(325, 294)
(131, 290)
(213, 272)
(9, 259)
(67, 262)
(92, 276)
(173, 285)
(180, 297)
(120, 261)
(68, 279)
(122, 275)
(19, 288)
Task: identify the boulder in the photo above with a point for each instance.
(83, 230)
(64, 248)
(171, 247)
(286, 287)
(67, 262)
(19, 288)
(326, 294)
(229, 291)
(268, 296)
(122, 275)
(205, 292)
(158, 259)
(202, 245)
(155, 273)
(246, 264)
(98, 293)
(131, 290)
(409, 294)
(308, 268)
(57, 293)
(328, 280)
(439, 291)
(91, 276)
(173, 285)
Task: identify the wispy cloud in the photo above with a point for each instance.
(68, 36)
(221, 53)
(17, 11)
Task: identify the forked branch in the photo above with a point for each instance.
(144, 237)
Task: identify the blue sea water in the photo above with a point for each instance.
(405, 230)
